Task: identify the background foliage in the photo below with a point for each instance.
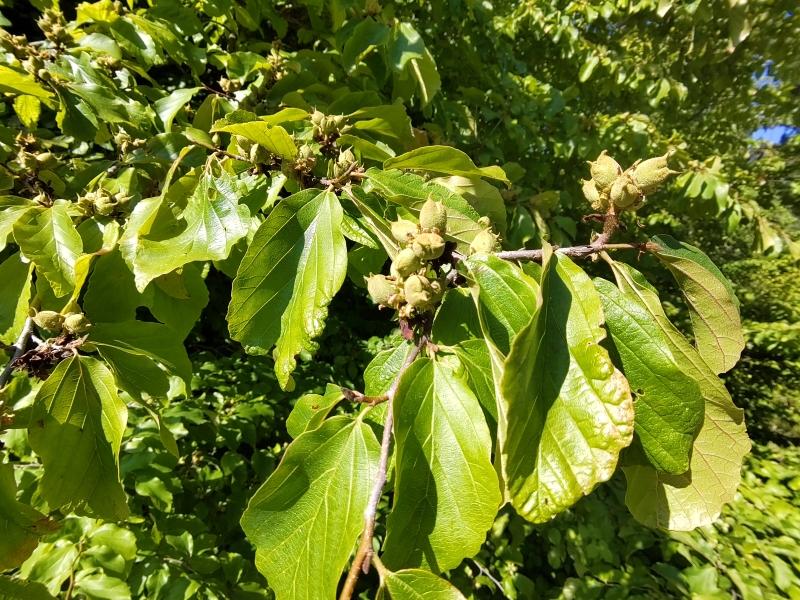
(538, 87)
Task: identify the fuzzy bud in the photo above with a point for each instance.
(380, 289)
(651, 173)
(317, 118)
(428, 246)
(49, 320)
(77, 323)
(433, 215)
(405, 263)
(403, 229)
(484, 242)
(605, 171)
(624, 192)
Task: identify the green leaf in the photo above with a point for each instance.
(567, 411)
(417, 584)
(14, 82)
(504, 295)
(475, 359)
(76, 428)
(167, 107)
(712, 303)
(441, 512)
(389, 121)
(411, 191)
(364, 38)
(669, 405)
(588, 68)
(14, 296)
(291, 271)
(212, 222)
(20, 524)
(272, 137)
(134, 349)
(444, 160)
(11, 209)
(28, 109)
(695, 498)
(427, 76)
(383, 369)
(20, 589)
(311, 410)
(304, 521)
(482, 196)
(48, 238)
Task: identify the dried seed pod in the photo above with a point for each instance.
(605, 171)
(405, 263)
(433, 215)
(428, 246)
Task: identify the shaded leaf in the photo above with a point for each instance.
(446, 491)
(417, 584)
(20, 525)
(15, 293)
(567, 411)
(669, 406)
(78, 419)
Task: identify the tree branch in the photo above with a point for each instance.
(364, 554)
(19, 350)
(574, 251)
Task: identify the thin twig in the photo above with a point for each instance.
(19, 350)
(574, 251)
(364, 554)
(356, 396)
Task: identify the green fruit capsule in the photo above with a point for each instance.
(77, 323)
(428, 246)
(433, 215)
(624, 192)
(403, 230)
(650, 174)
(484, 242)
(418, 292)
(380, 288)
(49, 320)
(592, 194)
(405, 263)
(605, 171)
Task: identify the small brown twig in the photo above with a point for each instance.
(19, 349)
(364, 554)
(342, 179)
(356, 396)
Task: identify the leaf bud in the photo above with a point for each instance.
(380, 288)
(77, 323)
(651, 173)
(605, 170)
(49, 320)
(433, 215)
(428, 246)
(417, 290)
(624, 192)
(405, 263)
(403, 230)
(484, 242)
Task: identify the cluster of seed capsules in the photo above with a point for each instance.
(416, 280)
(611, 188)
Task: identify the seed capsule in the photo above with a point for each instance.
(49, 320)
(417, 290)
(405, 263)
(624, 192)
(77, 323)
(651, 173)
(428, 246)
(381, 289)
(484, 242)
(433, 216)
(592, 194)
(604, 171)
(403, 230)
